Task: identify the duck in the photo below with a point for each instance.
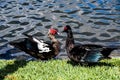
(39, 49)
(90, 53)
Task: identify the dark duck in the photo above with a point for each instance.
(85, 52)
(38, 48)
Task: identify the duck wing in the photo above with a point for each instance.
(93, 56)
(41, 46)
(107, 51)
(85, 53)
(32, 44)
(94, 52)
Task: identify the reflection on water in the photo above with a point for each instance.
(95, 21)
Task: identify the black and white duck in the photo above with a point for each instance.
(39, 48)
(85, 52)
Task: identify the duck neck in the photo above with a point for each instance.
(69, 40)
(55, 43)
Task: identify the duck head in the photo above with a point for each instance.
(67, 28)
(53, 31)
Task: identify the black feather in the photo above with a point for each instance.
(29, 46)
(85, 52)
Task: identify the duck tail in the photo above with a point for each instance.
(12, 43)
(15, 44)
(107, 51)
(18, 43)
(29, 36)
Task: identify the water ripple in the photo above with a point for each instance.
(95, 21)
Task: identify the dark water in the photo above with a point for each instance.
(92, 21)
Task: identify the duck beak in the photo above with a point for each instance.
(58, 33)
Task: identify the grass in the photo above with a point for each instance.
(59, 70)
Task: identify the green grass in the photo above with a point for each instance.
(59, 70)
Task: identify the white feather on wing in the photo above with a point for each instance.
(42, 46)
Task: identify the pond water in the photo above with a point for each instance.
(92, 21)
